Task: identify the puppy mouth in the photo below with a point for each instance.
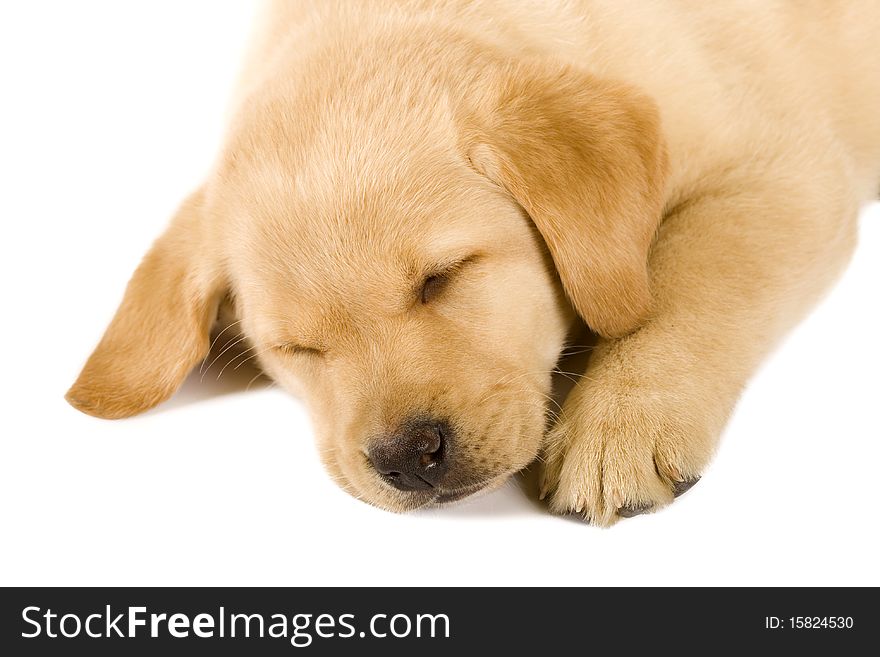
(459, 494)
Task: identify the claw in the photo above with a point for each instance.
(630, 511)
(682, 487)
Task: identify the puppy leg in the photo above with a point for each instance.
(731, 274)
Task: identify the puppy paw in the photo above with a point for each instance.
(614, 457)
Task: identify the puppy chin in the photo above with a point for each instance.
(404, 502)
(447, 498)
(401, 502)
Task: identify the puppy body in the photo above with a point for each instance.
(684, 177)
(732, 81)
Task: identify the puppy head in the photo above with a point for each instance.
(407, 263)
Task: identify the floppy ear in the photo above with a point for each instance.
(585, 159)
(160, 330)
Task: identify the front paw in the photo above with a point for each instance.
(613, 456)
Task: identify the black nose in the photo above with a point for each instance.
(413, 457)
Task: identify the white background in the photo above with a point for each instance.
(110, 113)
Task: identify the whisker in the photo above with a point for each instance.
(239, 355)
(213, 343)
(565, 353)
(251, 382)
(251, 357)
(225, 349)
(230, 361)
(575, 375)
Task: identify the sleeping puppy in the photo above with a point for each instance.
(417, 201)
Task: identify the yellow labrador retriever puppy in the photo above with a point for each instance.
(418, 199)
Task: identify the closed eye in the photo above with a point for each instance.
(434, 284)
(295, 349)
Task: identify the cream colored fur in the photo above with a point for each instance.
(685, 176)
